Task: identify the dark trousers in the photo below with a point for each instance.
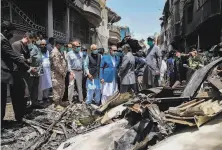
(65, 96)
(17, 92)
(84, 86)
(33, 84)
(126, 88)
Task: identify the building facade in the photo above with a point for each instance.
(124, 31)
(108, 33)
(188, 23)
(114, 30)
(63, 19)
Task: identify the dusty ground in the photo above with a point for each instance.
(208, 137)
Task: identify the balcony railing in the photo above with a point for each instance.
(114, 28)
(208, 9)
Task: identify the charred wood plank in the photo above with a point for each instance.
(47, 134)
(178, 121)
(36, 124)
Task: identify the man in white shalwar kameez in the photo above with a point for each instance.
(108, 74)
(45, 80)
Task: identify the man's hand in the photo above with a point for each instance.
(185, 65)
(32, 70)
(102, 81)
(90, 76)
(157, 73)
(71, 76)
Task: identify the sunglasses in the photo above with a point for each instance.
(76, 46)
(43, 44)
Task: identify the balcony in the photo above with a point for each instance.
(205, 11)
(92, 12)
(112, 16)
(91, 9)
(114, 34)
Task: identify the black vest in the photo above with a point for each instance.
(94, 65)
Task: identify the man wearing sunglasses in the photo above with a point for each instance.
(75, 67)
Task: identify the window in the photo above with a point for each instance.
(200, 3)
(189, 14)
(177, 12)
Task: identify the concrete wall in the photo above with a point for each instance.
(103, 32)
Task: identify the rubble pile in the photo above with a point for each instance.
(195, 112)
(126, 121)
(48, 128)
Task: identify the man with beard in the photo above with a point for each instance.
(45, 82)
(153, 61)
(9, 75)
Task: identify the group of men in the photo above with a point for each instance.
(34, 67)
(181, 66)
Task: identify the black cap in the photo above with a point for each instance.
(151, 38)
(84, 48)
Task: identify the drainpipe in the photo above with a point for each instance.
(10, 9)
(198, 42)
(185, 44)
(67, 24)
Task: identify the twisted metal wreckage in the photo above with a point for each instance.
(149, 117)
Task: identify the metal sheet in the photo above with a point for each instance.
(197, 79)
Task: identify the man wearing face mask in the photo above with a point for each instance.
(10, 58)
(45, 81)
(65, 97)
(153, 64)
(58, 72)
(33, 82)
(126, 71)
(75, 67)
(92, 69)
(108, 74)
(24, 46)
